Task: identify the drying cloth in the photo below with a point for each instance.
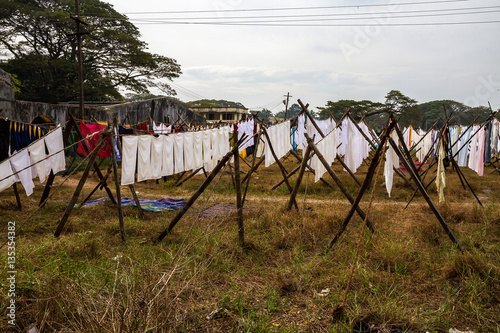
(479, 163)
(473, 148)
(37, 155)
(156, 156)
(20, 161)
(6, 175)
(4, 139)
(440, 176)
(55, 146)
(198, 150)
(144, 158)
(188, 151)
(464, 149)
(207, 147)
(92, 142)
(178, 152)
(156, 206)
(167, 167)
(214, 134)
(129, 159)
(300, 138)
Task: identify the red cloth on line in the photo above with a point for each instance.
(92, 142)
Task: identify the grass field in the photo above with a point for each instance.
(407, 276)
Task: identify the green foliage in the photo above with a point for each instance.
(263, 114)
(407, 111)
(293, 111)
(214, 103)
(39, 37)
(357, 108)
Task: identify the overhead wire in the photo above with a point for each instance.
(297, 8)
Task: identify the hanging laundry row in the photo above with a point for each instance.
(247, 128)
(328, 148)
(165, 155)
(33, 161)
(17, 136)
(279, 138)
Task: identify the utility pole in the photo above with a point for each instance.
(286, 102)
(79, 34)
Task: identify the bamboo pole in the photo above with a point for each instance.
(299, 177)
(78, 190)
(339, 183)
(239, 203)
(117, 183)
(200, 190)
(366, 183)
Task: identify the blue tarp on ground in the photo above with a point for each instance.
(161, 205)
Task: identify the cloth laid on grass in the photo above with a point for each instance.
(221, 209)
(156, 206)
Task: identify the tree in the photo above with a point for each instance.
(215, 103)
(357, 108)
(263, 114)
(38, 36)
(293, 111)
(404, 107)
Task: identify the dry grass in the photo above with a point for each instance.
(408, 276)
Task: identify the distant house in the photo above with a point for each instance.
(221, 113)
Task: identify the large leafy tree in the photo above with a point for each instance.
(38, 38)
(404, 107)
(357, 108)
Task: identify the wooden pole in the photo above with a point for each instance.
(78, 190)
(94, 164)
(50, 179)
(427, 197)
(283, 171)
(239, 203)
(117, 182)
(339, 183)
(18, 198)
(191, 175)
(195, 196)
(313, 121)
(366, 183)
(299, 177)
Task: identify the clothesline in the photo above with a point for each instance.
(47, 156)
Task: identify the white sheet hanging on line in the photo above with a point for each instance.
(207, 147)
(129, 158)
(198, 150)
(37, 155)
(178, 152)
(6, 175)
(19, 162)
(300, 138)
(188, 151)
(391, 162)
(55, 145)
(167, 167)
(156, 156)
(328, 148)
(440, 175)
(144, 158)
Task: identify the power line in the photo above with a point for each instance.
(343, 15)
(322, 25)
(297, 8)
(160, 21)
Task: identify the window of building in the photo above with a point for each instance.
(211, 116)
(227, 116)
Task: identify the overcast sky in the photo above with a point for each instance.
(386, 45)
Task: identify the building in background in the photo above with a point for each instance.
(221, 113)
